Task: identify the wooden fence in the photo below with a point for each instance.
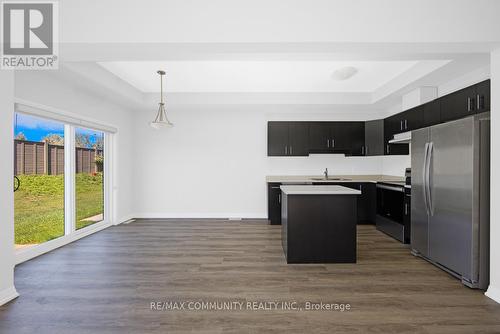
(33, 157)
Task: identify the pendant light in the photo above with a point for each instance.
(161, 121)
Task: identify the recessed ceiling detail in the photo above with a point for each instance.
(260, 76)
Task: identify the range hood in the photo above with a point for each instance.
(401, 138)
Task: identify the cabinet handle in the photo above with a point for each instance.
(406, 209)
(279, 198)
(333, 143)
(291, 149)
(328, 143)
(469, 104)
(285, 150)
(362, 150)
(387, 148)
(406, 124)
(401, 125)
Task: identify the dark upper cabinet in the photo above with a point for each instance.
(431, 113)
(374, 137)
(458, 104)
(413, 119)
(466, 102)
(277, 138)
(393, 125)
(357, 138)
(408, 120)
(483, 96)
(337, 137)
(287, 139)
(298, 139)
(320, 134)
(341, 135)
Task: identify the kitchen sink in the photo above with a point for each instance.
(330, 179)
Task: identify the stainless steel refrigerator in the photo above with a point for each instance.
(450, 166)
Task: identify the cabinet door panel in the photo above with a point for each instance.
(483, 96)
(431, 113)
(341, 137)
(458, 104)
(374, 137)
(357, 138)
(413, 118)
(320, 137)
(274, 203)
(298, 139)
(277, 138)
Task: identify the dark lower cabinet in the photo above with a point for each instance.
(407, 216)
(366, 202)
(274, 203)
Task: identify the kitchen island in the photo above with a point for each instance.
(319, 223)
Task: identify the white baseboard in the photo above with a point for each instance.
(125, 219)
(6, 295)
(221, 215)
(493, 293)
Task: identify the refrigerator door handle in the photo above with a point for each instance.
(424, 177)
(429, 193)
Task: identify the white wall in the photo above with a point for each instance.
(494, 289)
(213, 163)
(7, 290)
(58, 89)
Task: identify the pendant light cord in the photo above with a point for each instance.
(161, 88)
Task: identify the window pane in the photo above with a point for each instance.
(39, 179)
(89, 178)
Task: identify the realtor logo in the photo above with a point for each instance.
(29, 35)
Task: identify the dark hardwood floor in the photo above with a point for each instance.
(105, 283)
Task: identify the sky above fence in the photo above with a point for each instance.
(36, 129)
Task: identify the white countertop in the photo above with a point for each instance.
(318, 190)
(333, 178)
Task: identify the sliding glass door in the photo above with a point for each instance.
(89, 178)
(58, 179)
(39, 180)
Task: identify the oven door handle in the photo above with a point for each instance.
(392, 188)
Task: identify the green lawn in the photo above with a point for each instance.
(39, 205)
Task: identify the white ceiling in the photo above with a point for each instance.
(258, 76)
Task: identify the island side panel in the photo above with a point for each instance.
(284, 222)
(321, 228)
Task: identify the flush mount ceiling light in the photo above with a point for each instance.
(161, 120)
(344, 73)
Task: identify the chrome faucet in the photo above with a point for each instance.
(326, 173)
